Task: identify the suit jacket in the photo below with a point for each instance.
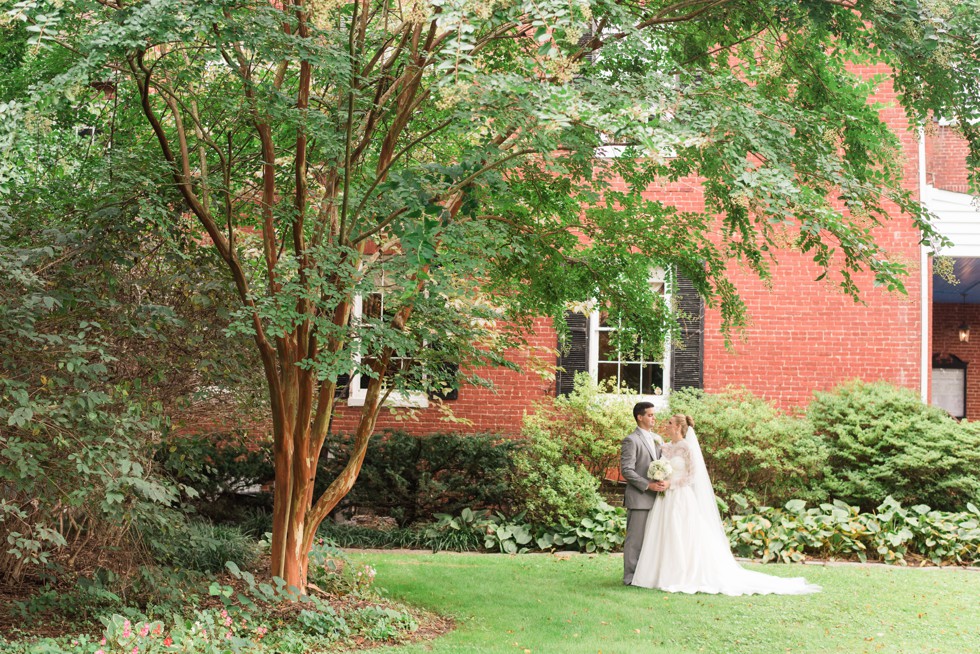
(635, 458)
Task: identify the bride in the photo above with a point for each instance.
(685, 549)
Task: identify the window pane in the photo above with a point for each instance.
(608, 371)
(631, 353)
(631, 376)
(371, 306)
(653, 378)
(606, 353)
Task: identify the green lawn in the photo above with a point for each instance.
(544, 604)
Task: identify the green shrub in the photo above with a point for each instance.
(411, 478)
(883, 441)
(753, 449)
(201, 546)
(215, 464)
(549, 487)
(591, 422)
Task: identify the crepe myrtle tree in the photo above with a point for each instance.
(397, 187)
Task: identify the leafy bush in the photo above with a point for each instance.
(344, 535)
(753, 449)
(883, 441)
(215, 464)
(591, 421)
(74, 466)
(411, 478)
(892, 533)
(549, 487)
(202, 546)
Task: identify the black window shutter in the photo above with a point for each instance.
(687, 356)
(343, 386)
(573, 355)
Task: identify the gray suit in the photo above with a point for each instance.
(635, 458)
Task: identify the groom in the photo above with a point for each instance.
(639, 449)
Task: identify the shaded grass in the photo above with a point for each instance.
(577, 604)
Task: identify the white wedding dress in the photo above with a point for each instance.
(685, 549)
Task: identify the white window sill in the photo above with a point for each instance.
(659, 402)
(395, 400)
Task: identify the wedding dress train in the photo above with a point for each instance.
(685, 549)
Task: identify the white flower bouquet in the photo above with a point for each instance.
(660, 470)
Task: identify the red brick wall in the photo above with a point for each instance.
(500, 410)
(946, 160)
(805, 335)
(946, 319)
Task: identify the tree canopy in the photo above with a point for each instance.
(398, 188)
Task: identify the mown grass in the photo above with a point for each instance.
(577, 604)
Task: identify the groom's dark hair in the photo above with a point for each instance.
(639, 408)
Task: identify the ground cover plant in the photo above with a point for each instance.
(167, 610)
(578, 604)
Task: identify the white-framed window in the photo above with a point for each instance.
(372, 307)
(647, 377)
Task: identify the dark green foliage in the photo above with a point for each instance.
(216, 465)
(202, 546)
(753, 449)
(411, 478)
(883, 441)
(373, 538)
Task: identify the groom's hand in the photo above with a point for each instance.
(659, 486)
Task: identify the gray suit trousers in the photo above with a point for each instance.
(636, 523)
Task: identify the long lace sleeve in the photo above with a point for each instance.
(680, 457)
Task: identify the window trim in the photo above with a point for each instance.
(657, 276)
(357, 396)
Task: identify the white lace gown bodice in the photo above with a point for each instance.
(679, 458)
(685, 548)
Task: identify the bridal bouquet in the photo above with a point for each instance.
(659, 470)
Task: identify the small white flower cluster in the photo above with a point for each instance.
(660, 470)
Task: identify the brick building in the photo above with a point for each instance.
(803, 336)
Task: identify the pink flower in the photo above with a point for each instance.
(168, 641)
(99, 651)
(145, 630)
(135, 650)
(102, 642)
